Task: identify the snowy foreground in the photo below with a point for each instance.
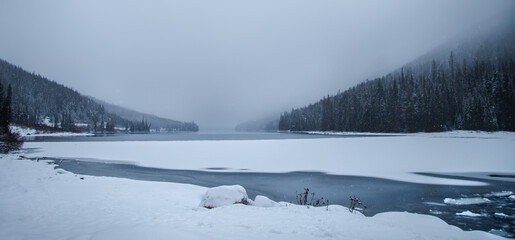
(40, 202)
(388, 157)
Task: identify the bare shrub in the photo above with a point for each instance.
(308, 199)
(355, 203)
(9, 141)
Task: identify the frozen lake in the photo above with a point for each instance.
(381, 170)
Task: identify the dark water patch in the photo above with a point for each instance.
(502, 176)
(217, 168)
(474, 176)
(380, 195)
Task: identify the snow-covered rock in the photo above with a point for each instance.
(224, 196)
(262, 201)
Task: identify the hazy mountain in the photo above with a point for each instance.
(467, 83)
(481, 42)
(266, 125)
(157, 123)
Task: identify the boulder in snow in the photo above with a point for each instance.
(224, 196)
(262, 201)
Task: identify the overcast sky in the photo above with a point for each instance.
(223, 62)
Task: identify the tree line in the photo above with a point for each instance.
(472, 93)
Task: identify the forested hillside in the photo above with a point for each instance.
(469, 85)
(158, 123)
(41, 103)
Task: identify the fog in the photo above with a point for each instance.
(223, 62)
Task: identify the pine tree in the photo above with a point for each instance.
(7, 105)
(9, 141)
(393, 109)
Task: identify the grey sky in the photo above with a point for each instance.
(223, 62)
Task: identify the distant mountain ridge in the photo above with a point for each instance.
(157, 123)
(42, 103)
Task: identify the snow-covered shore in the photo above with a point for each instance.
(457, 133)
(40, 202)
(397, 157)
(30, 132)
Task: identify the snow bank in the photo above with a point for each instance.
(457, 133)
(385, 157)
(29, 132)
(348, 133)
(466, 201)
(228, 195)
(468, 214)
(40, 202)
(22, 131)
(224, 196)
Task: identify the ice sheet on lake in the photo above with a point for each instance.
(502, 215)
(466, 201)
(468, 213)
(395, 158)
(499, 194)
(434, 203)
(435, 212)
